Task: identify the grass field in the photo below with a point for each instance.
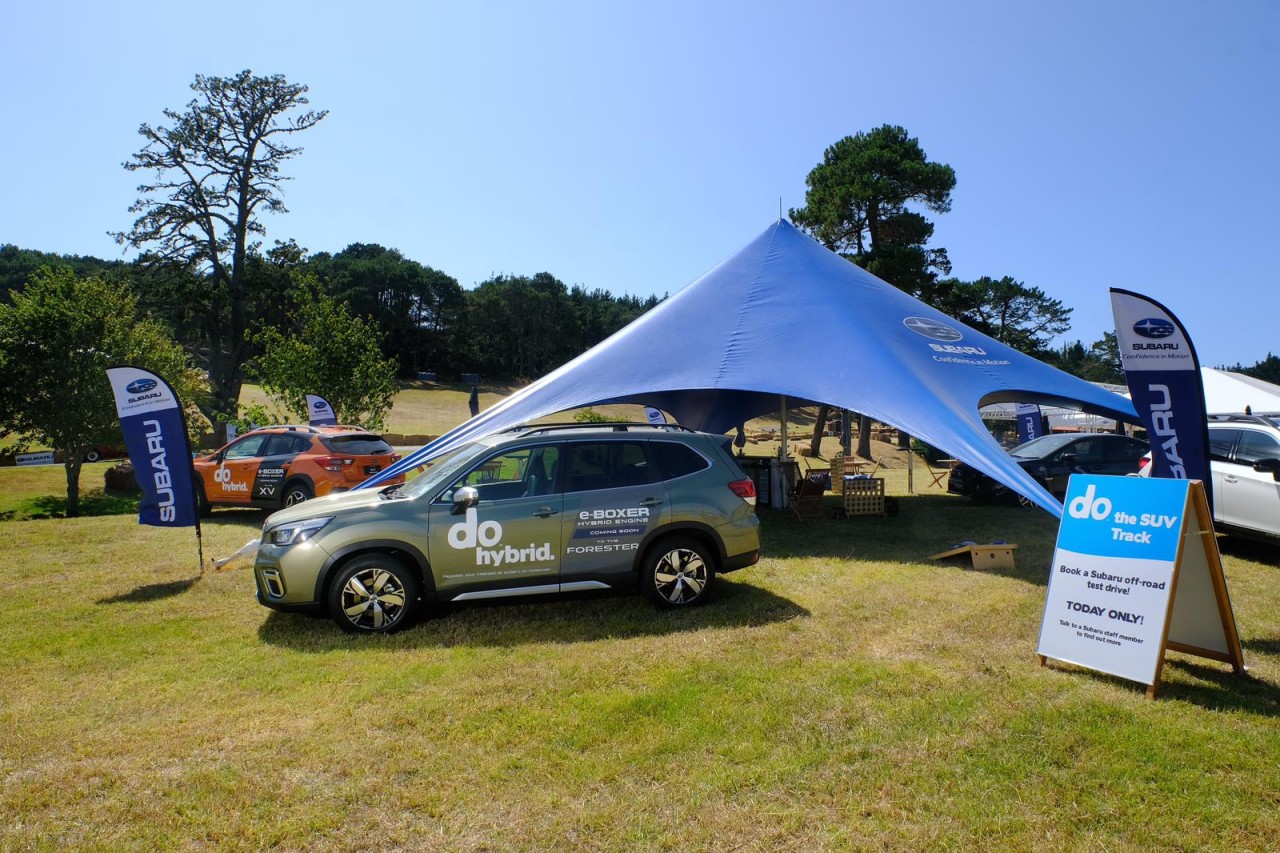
(845, 693)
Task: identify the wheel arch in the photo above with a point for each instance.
(701, 533)
(304, 479)
(403, 551)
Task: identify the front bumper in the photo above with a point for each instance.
(286, 576)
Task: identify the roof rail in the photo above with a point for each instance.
(307, 428)
(1264, 418)
(616, 426)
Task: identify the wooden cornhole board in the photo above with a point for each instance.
(994, 556)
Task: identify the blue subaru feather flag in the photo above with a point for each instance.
(1030, 424)
(320, 412)
(156, 438)
(1163, 374)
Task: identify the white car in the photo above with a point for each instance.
(1244, 459)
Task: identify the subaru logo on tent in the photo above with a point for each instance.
(1153, 328)
(139, 386)
(318, 405)
(932, 329)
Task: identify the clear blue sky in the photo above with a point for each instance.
(632, 146)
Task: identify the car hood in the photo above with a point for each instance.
(336, 504)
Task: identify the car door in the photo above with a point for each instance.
(612, 499)
(236, 470)
(273, 466)
(1252, 498)
(1222, 442)
(1083, 456)
(508, 542)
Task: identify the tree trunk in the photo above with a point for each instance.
(864, 438)
(72, 465)
(819, 425)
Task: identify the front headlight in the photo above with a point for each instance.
(297, 531)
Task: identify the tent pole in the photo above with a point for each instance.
(911, 470)
(782, 449)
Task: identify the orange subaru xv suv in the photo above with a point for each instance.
(278, 466)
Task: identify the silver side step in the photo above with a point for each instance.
(576, 586)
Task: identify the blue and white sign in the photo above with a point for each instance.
(155, 435)
(319, 412)
(1030, 422)
(1163, 374)
(1113, 574)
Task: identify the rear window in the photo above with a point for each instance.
(358, 444)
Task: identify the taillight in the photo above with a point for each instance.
(1143, 463)
(745, 489)
(335, 463)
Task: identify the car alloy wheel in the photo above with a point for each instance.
(374, 595)
(296, 493)
(678, 573)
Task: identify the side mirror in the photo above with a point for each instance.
(1269, 465)
(463, 499)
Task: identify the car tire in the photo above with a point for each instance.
(92, 456)
(204, 509)
(295, 493)
(678, 572)
(374, 594)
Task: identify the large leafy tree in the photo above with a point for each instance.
(216, 168)
(327, 351)
(414, 305)
(1025, 318)
(57, 339)
(1099, 362)
(520, 326)
(858, 204)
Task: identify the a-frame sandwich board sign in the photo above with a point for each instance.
(1137, 572)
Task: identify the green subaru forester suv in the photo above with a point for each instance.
(540, 509)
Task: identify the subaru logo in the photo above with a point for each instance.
(1153, 328)
(140, 386)
(932, 329)
(317, 406)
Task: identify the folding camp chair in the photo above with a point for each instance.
(938, 473)
(806, 501)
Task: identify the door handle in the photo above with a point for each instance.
(545, 512)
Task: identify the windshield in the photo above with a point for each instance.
(441, 470)
(1042, 446)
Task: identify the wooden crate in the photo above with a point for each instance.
(864, 496)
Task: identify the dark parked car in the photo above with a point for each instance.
(1052, 459)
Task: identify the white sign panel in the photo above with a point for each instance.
(44, 457)
(1113, 574)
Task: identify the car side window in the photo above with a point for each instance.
(1255, 446)
(246, 447)
(1087, 452)
(1123, 451)
(526, 471)
(676, 460)
(280, 444)
(595, 465)
(1220, 443)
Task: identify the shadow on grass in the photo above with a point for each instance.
(151, 592)
(1266, 553)
(1210, 685)
(1216, 686)
(93, 503)
(925, 525)
(575, 618)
